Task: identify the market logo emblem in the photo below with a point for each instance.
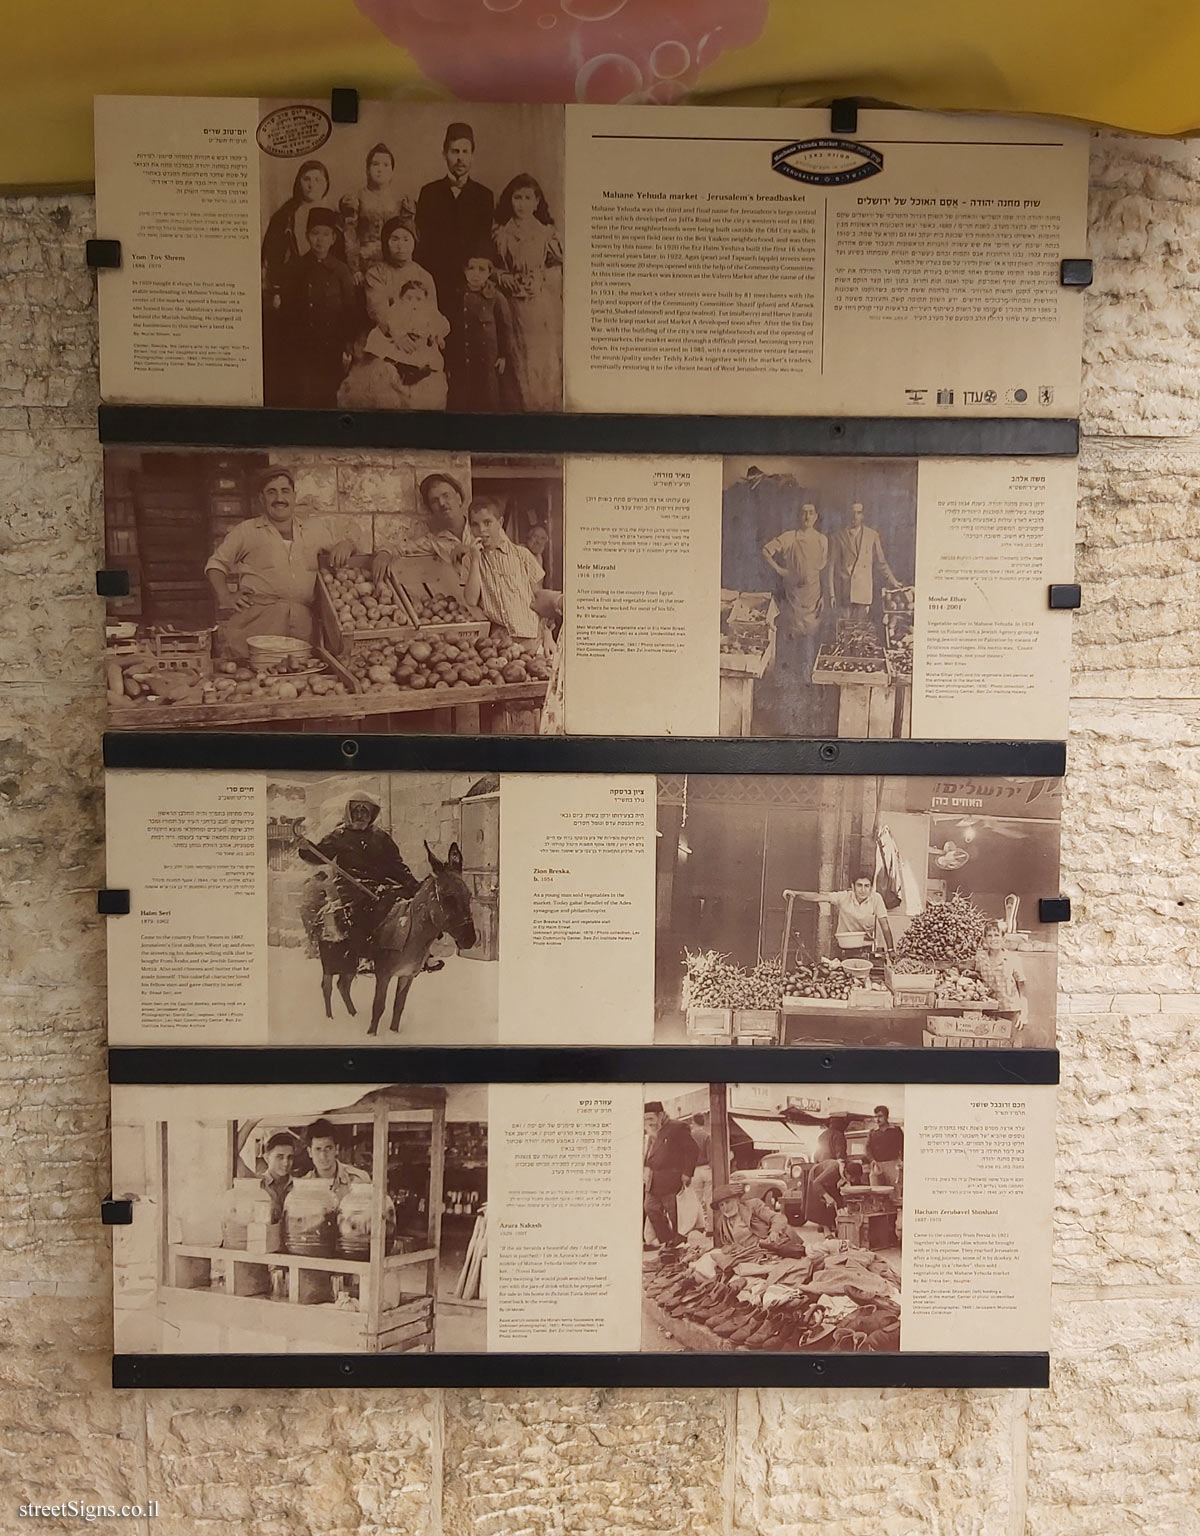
(294, 130)
(827, 162)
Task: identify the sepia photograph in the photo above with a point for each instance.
(383, 909)
(360, 591)
(301, 1219)
(818, 561)
(869, 911)
(414, 261)
(772, 1217)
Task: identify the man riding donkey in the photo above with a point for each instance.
(360, 904)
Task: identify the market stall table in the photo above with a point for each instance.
(817, 1025)
(497, 709)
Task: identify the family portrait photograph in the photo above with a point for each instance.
(414, 261)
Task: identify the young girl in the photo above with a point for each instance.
(529, 273)
(998, 968)
(372, 208)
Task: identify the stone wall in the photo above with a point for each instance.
(1110, 1449)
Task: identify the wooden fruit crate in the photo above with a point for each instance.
(969, 1030)
(344, 642)
(710, 1021)
(752, 1025)
(810, 1004)
(419, 577)
(870, 997)
(749, 664)
(869, 671)
(911, 989)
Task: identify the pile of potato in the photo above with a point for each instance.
(363, 604)
(283, 681)
(442, 608)
(445, 664)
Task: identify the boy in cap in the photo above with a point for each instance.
(318, 314)
(480, 339)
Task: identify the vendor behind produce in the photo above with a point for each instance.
(449, 537)
(326, 1164)
(264, 571)
(1002, 974)
(859, 912)
(885, 1149)
(279, 1154)
(798, 557)
(744, 1218)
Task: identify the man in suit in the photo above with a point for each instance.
(855, 555)
(454, 219)
(670, 1161)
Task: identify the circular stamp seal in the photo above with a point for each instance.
(294, 130)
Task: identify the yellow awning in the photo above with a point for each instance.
(1132, 66)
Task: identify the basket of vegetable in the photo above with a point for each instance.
(825, 984)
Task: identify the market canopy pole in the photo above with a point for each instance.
(718, 1132)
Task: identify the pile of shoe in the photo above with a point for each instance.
(833, 1298)
(723, 1308)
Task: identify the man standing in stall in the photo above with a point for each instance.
(264, 572)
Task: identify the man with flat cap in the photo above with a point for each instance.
(670, 1160)
(744, 1218)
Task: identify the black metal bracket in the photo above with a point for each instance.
(1065, 594)
(112, 583)
(112, 903)
(147, 1065)
(1075, 272)
(1054, 909)
(343, 104)
(218, 426)
(116, 1213)
(843, 115)
(102, 253)
(733, 1369)
(328, 752)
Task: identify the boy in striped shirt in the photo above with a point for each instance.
(501, 577)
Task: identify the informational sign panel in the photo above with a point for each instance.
(589, 259)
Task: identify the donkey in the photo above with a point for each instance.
(400, 945)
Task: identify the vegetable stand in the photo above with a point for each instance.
(291, 1297)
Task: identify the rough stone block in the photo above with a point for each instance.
(318, 1463)
(1131, 820)
(48, 354)
(65, 1434)
(1127, 1205)
(874, 1463)
(1112, 1445)
(544, 1463)
(1142, 328)
(1138, 561)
